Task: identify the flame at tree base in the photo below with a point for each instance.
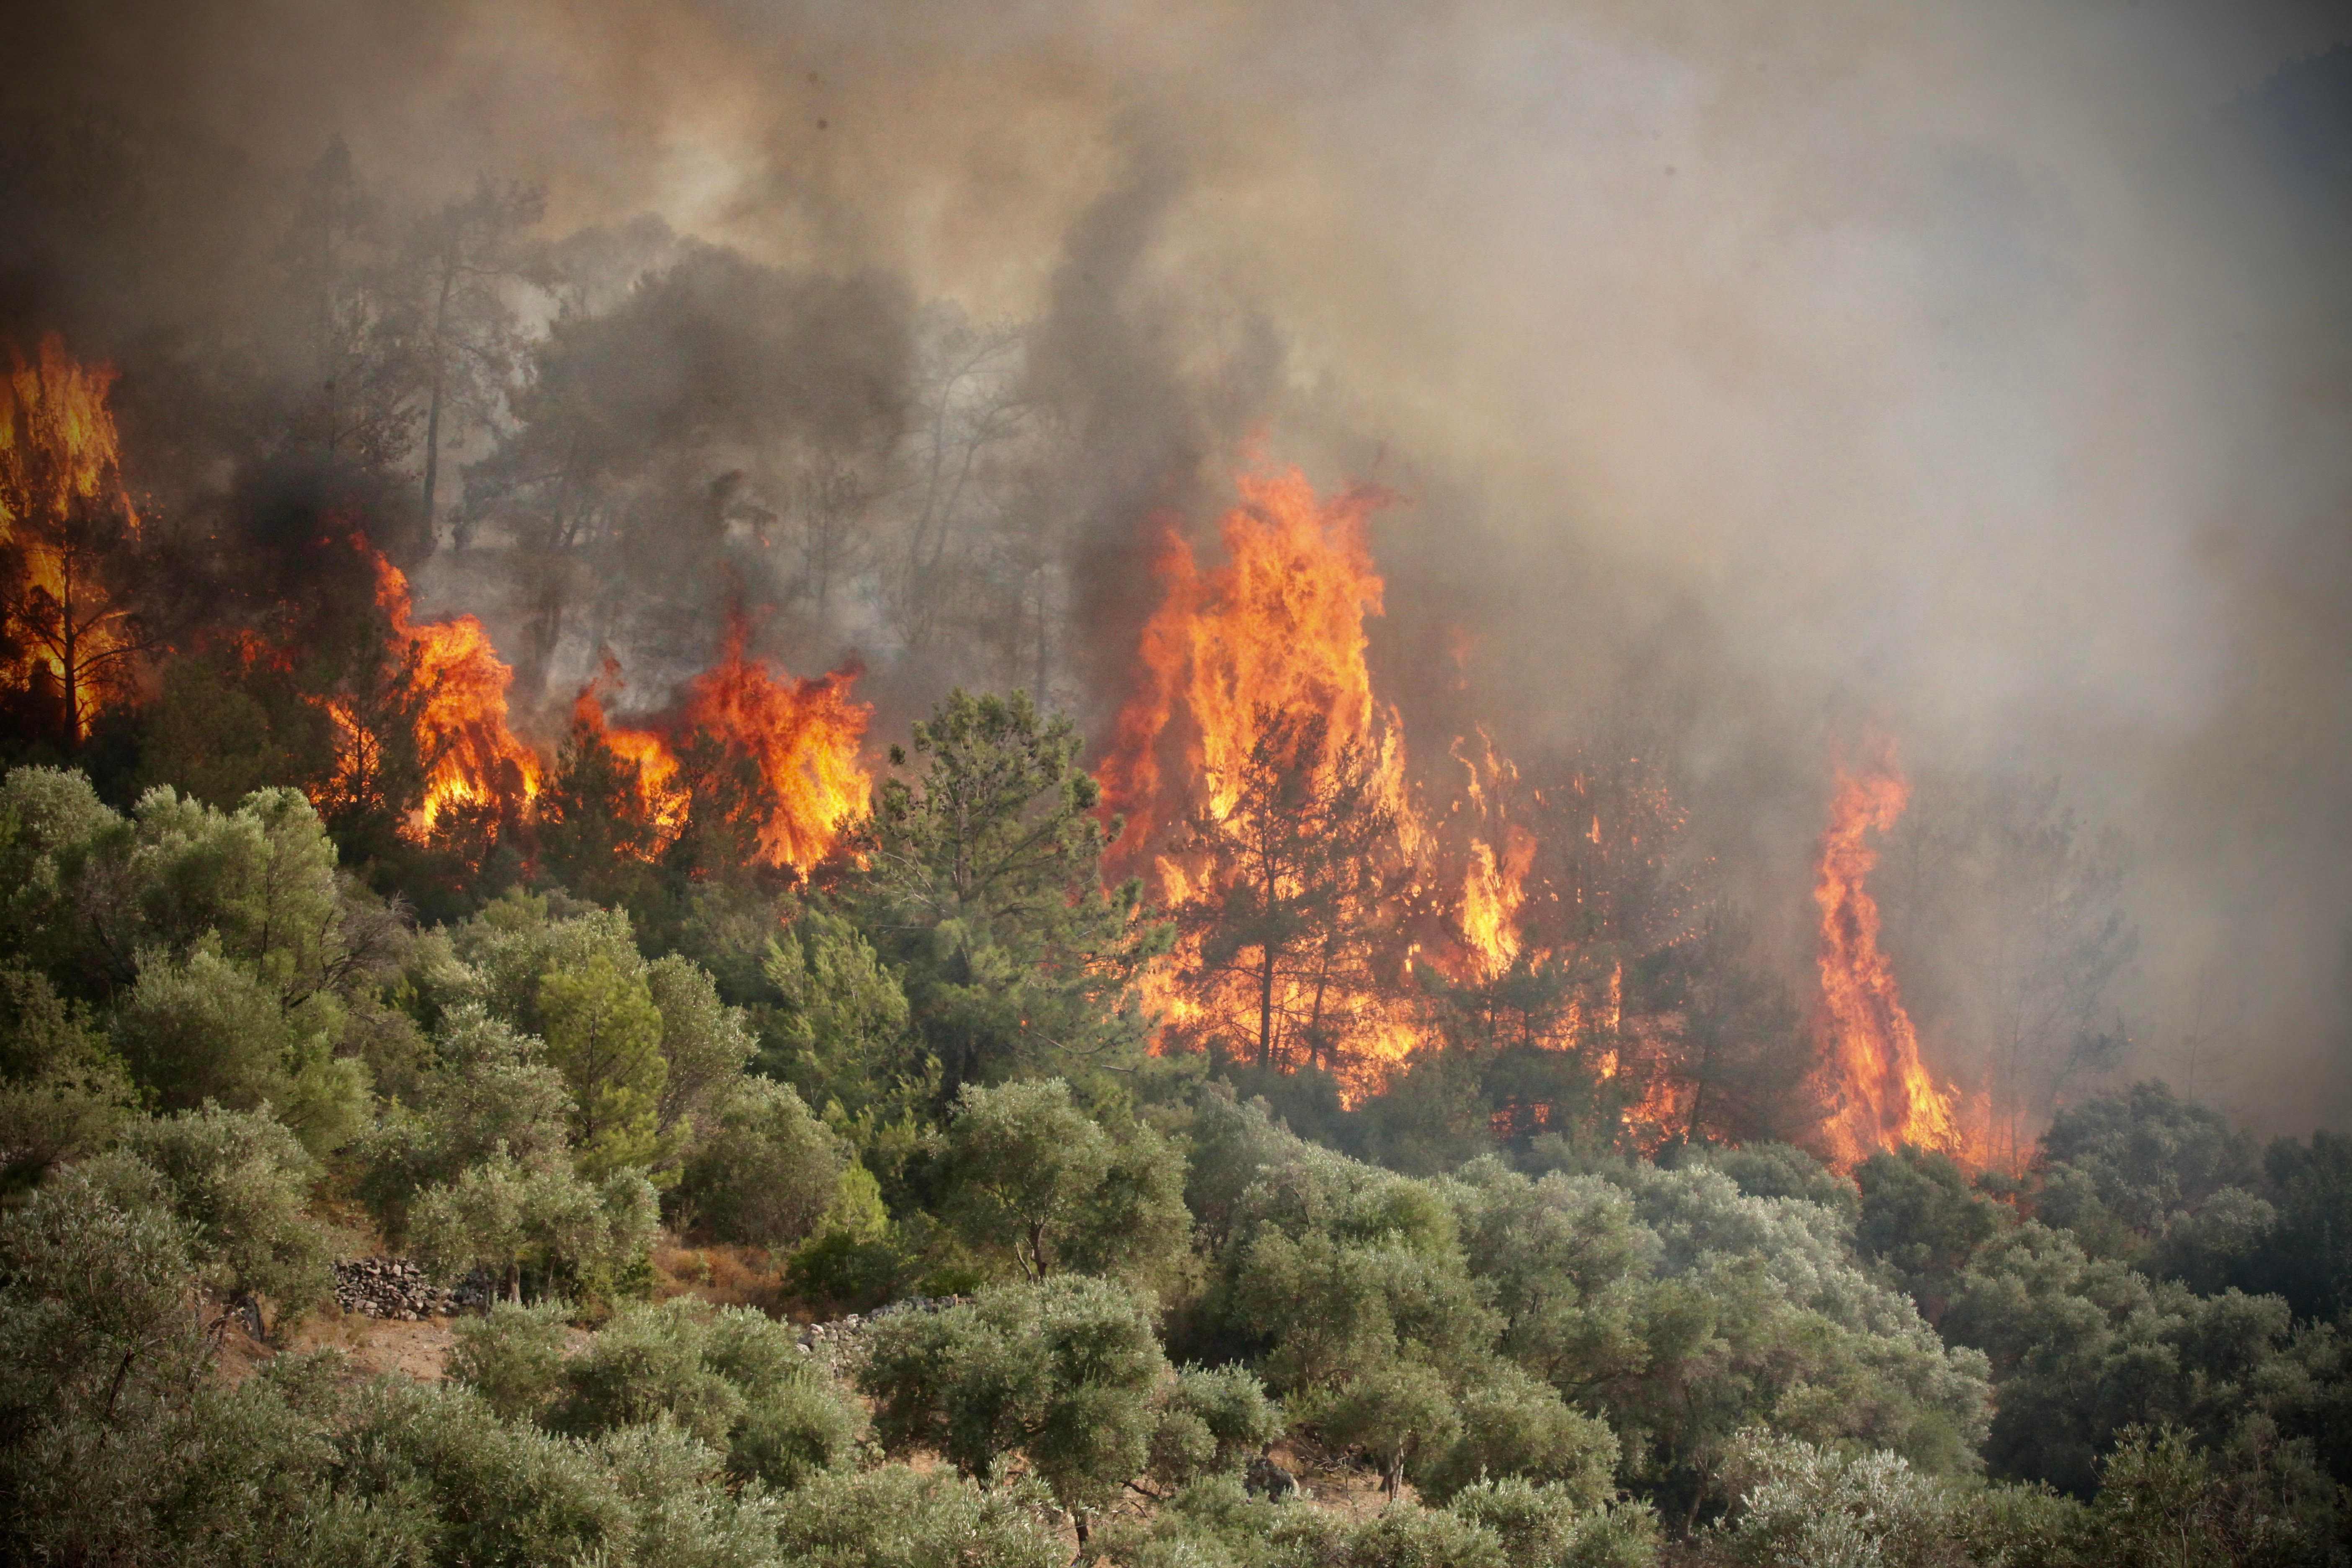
(471, 757)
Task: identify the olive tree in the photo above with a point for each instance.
(241, 1181)
(765, 1171)
(1030, 1171)
(1060, 1373)
(505, 1216)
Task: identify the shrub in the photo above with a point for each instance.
(733, 1379)
(241, 1181)
(1061, 1373)
(512, 1356)
(1548, 1527)
(1211, 1421)
(766, 1170)
(506, 1217)
(1514, 1425)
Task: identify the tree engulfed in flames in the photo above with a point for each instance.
(1279, 628)
(1266, 794)
(803, 737)
(62, 508)
(1254, 731)
(471, 758)
(1878, 1091)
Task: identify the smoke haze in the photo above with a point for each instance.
(1757, 384)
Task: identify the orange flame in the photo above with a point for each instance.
(662, 800)
(1279, 627)
(804, 734)
(471, 757)
(1880, 1093)
(60, 452)
(803, 737)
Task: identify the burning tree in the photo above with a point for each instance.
(70, 637)
(1297, 839)
(1331, 914)
(755, 770)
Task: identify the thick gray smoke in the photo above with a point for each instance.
(1759, 383)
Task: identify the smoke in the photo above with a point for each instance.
(1755, 382)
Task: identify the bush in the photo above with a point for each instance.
(506, 1217)
(206, 1029)
(1062, 1373)
(485, 1492)
(1031, 1174)
(1392, 1414)
(1209, 1422)
(1546, 1527)
(894, 1517)
(1516, 1425)
(241, 1181)
(766, 1170)
(512, 1356)
(1807, 1506)
(734, 1380)
(63, 1091)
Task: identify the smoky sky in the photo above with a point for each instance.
(1979, 378)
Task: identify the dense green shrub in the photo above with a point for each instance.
(513, 1356)
(1061, 1374)
(765, 1172)
(241, 1183)
(733, 1380)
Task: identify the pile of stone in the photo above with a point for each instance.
(836, 1339)
(398, 1289)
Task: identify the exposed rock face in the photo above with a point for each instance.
(398, 1289)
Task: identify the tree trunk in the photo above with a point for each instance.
(432, 462)
(514, 1284)
(433, 406)
(68, 648)
(1266, 1008)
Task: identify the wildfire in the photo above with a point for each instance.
(471, 757)
(1880, 1093)
(1279, 628)
(801, 736)
(662, 800)
(804, 734)
(61, 501)
(1329, 912)
(1489, 917)
(1255, 722)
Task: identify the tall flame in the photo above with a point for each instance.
(60, 452)
(1881, 1094)
(1278, 627)
(471, 757)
